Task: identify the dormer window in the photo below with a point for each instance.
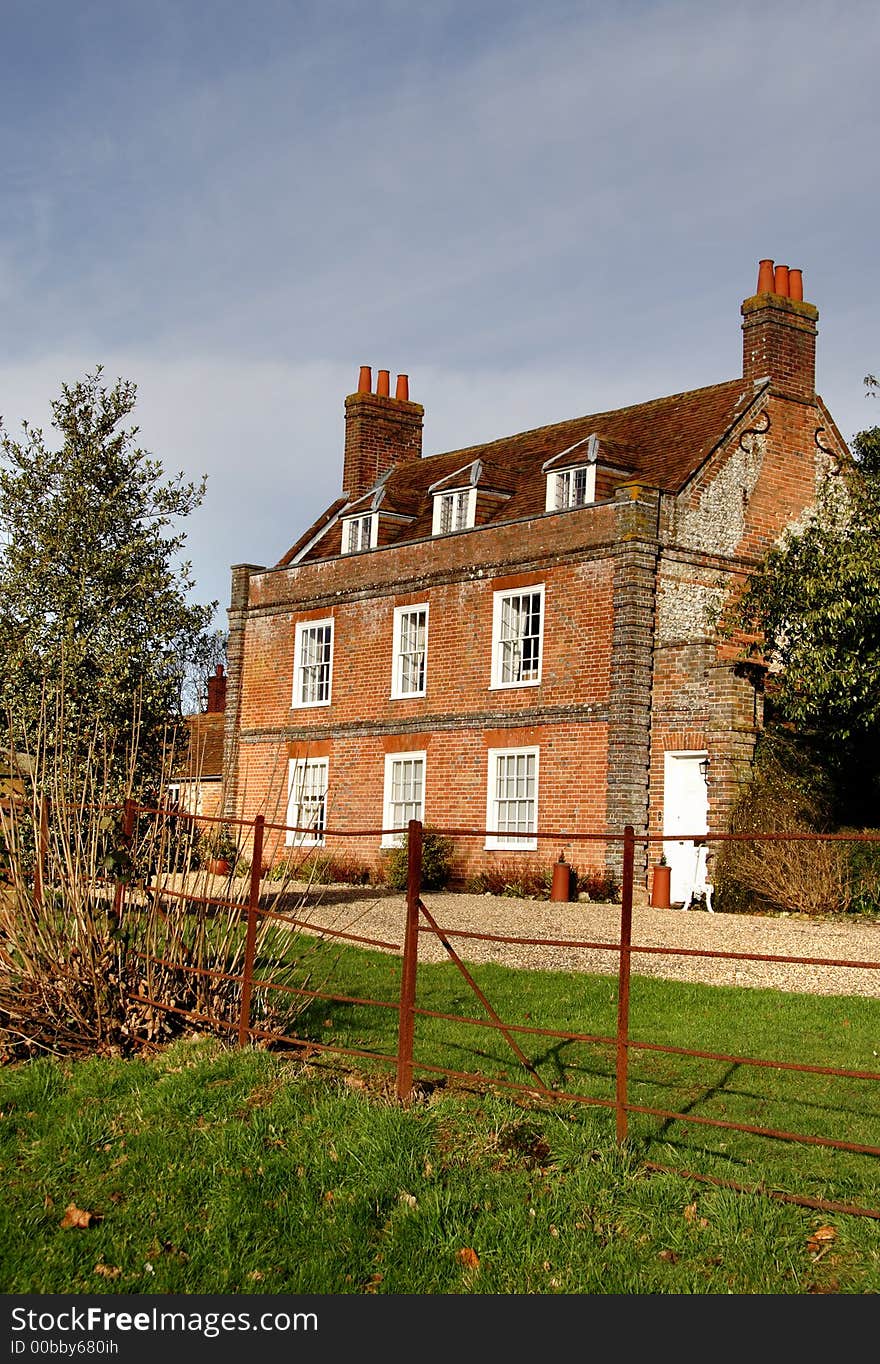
(574, 487)
(454, 510)
(571, 475)
(358, 533)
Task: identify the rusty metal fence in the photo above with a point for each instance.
(417, 920)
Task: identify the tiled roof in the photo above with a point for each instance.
(664, 442)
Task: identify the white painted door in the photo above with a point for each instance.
(685, 811)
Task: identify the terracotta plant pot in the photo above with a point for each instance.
(660, 887)
(219, 866)
(560, 889)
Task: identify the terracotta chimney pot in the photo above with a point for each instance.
(765, 277)
(402, 390)
(365, 380)
(216, 691)
(780, 281)
(796, 285)
(383, 382)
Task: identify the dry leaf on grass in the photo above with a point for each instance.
(670, 1256)
(77, 1218)
(467, 1257)
(107, 1271)
(821, 1239)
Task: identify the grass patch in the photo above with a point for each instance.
(821, 1030)
(211, 1170)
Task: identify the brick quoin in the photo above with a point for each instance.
(690, 492)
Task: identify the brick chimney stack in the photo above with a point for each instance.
(379, 430)
(779, 333)
(216, 692)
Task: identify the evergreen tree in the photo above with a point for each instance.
(96, 629)
(814, 601)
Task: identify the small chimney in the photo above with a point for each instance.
(216, 691)
(380, 431)
(779, 333)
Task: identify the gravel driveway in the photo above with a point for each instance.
(361, 912)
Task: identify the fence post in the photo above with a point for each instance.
(128, 814)
(250, 946)
(42, 861)
(626, 899)
(406, 1025)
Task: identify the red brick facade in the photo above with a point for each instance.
(623, 591)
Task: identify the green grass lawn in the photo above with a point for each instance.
(211, 1170)
(840, 1031)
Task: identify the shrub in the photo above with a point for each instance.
(785, 794)
(436, 862)
(86, 969)
(322, 869)
(217, 842)
(863, 867)
(533, 881)
(601, 886)
(518, 880)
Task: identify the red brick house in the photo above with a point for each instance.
(517, 636)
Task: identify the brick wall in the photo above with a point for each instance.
(379, 432)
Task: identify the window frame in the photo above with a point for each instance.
(553, 483)
(304, 840)
(397, 692)
(303, 627)
(348, 522)
(391, 840)
(454, 495)
(506, 842)
(497, 670)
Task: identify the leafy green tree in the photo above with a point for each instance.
(814, 603)
(96, 629)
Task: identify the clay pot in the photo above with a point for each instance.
(660, 887)
(218, 866)
(796, 285)
(560, 888)
(780, 281)
(365, 380)
(402, 390)
(383, 383)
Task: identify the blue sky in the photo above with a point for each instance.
(534, 211)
